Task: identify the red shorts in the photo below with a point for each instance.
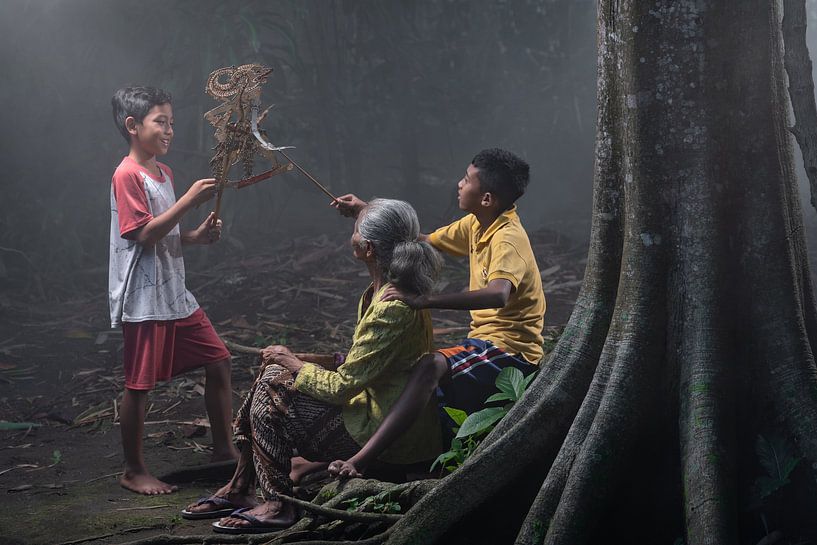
(157, 350)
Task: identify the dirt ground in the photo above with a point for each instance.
(60, 370)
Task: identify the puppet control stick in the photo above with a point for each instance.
(305, 173)
(252, 180)
(280, 149)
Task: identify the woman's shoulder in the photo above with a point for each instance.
(395, 309)
(395, 321)
(388, 311)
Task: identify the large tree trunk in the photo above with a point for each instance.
(696, 298)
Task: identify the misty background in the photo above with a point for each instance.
(380, 98)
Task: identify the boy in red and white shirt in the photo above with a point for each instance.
(165, 331)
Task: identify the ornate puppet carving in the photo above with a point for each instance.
(238, 135)
(239, 89)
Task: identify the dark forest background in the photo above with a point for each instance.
(380, 99)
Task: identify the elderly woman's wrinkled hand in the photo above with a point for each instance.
(270, 351)
(281, 355)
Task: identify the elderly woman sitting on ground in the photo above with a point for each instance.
(326, 412)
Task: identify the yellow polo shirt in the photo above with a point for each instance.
(501, 251)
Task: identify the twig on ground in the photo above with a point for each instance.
(241, 348)
(149, 507)
(103, 477)
(313, 291)
(209, 539)
(374, 540)
(119, 533)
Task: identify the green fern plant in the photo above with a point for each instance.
(472, 429)
(777, 458)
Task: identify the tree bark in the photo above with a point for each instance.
(697, 291)
(801, 88)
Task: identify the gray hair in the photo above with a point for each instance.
(392, 227)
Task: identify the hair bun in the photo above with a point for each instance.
(393, 229)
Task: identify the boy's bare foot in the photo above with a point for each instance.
(302, 467)
(270, 514)
(143, 482)
(344, 469)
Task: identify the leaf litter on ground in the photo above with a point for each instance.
(303, 293)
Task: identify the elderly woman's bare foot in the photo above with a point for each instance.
(142, 482)
(226, 497)
(264, 517)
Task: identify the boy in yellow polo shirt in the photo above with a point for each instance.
(505, 298)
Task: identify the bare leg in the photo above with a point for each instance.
(429, 371)
(136, 477)
(279, 419)
(218, 401)
(301, 467)
(240, 491)
(255, 418)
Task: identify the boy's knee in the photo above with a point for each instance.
(431, 368)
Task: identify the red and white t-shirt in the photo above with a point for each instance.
(144, 283)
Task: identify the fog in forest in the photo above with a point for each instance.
(379, 98)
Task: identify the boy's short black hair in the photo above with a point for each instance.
(502, 174)
(135, 102)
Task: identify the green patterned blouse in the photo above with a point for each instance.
(389, 339)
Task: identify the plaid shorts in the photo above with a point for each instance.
(474, 366)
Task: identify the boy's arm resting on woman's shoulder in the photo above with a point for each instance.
(494, 295)
(159, 226)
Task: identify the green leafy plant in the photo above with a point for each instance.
(471, 429)
(460, 450)
(777, 458)
(325, 495)
(379, 503)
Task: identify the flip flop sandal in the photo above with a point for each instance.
(256, 526)
(227, 508)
